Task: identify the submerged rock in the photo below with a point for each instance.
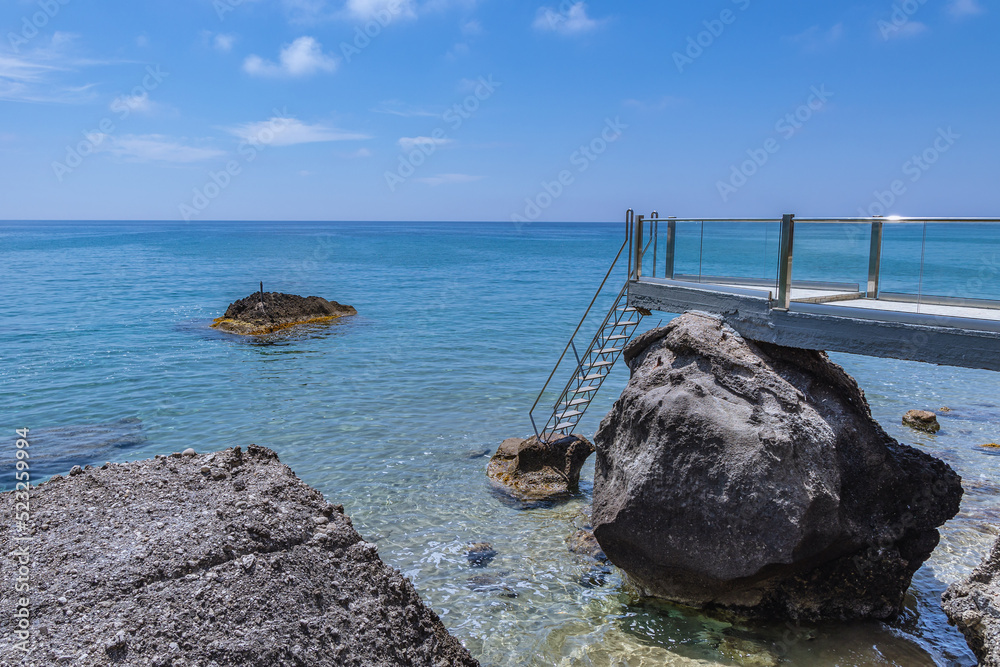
(973, 605)
(480, 554)
(583, 543)
(752, 478)
(922, 420)
(267, 312)
(530, 470)
(153, 563)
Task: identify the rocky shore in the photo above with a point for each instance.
(973, 605)
(267, 312)
(218, 559)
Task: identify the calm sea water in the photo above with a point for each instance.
(107, 355)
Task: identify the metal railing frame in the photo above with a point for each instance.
(786, 249)
(630, 230)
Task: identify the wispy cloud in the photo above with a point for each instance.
(397, 108)
(964, 8)
(448, 179)
(303, 57)
(224, 43)
(817, 38)
(153, 148)
(658, 104)
(409, 143)
(290, 132)
(904, 31)
(134, 103)
(573, 21)
(36, 76)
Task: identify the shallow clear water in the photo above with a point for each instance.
(392, 412)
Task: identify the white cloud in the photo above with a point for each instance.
(224, 43)
(152, 148)
(303, 57)
(290, 132)
(472, 28)
(370, 9)
(134, 103)
(963, 8)
(361, 153)
(448, 179)
(409, 143)
(573, 21)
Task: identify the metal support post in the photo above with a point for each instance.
(785, 262)
(637, 242)
(671, 246)
(875, 261)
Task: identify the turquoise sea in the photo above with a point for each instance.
(107, 354)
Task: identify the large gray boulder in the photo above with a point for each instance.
(220, 559)
(973, 605)
(750, 477)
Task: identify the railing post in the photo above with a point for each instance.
(785, 262)
(637, 242)
(671, 245)
(629, 228)
(655, 231)
(875, 261)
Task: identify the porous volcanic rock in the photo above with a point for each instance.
(279, 311)
(219, 559)
(531, 470)
(922, 420)
(973, 605)
(751, 478)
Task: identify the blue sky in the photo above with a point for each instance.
(490, 110)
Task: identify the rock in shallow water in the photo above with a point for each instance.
(529, 470)
(974, 606)
(750, 477)
(922, 420)
(262, 314)
(152, 563)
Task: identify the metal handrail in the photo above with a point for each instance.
(891, 219)
(581, 360)
(786, 250)
(626, 244)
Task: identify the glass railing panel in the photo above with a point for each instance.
(831, 257)
(961, 261)
(902, 250)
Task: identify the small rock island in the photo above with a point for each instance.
(264, 313)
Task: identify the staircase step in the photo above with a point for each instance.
(608, 350)
(568, 415)
(628, 309)
(575, 402)
(592, 377)
(565, 425)
(587, 389)
(601, 364)
(631, 323)
(611, 338)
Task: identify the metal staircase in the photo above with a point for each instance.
(599, 357)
